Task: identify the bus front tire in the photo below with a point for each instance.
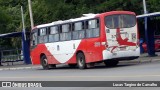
(111, 63)
(45, 65)
(81, 61)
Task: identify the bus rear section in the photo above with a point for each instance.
(121, 38)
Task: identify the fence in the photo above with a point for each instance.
(12, 56)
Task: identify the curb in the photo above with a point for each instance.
(139, 61)
(21, 68)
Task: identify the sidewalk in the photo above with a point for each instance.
(18, 66)
(144, 58)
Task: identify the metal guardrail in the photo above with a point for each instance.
(12, 55)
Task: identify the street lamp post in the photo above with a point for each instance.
(144, 6)
(30, 13)
(23, 25)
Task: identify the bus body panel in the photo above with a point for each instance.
(64, 49)
(93, 50)
(38, 51)
(54, 56)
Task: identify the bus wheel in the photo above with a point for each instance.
(111, 63)
(81, 61)
(72, 65)
(44, 62)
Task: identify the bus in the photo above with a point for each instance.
(107, 37)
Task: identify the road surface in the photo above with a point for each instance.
(147, 71)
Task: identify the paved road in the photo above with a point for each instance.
(125, 71)
(149, 71)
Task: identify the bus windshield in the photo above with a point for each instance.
(120, 21)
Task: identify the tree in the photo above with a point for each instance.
(46, 11)
(10, 19)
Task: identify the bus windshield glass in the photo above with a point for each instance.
(120, 21)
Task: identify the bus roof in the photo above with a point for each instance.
(117, 12)
(84, 17)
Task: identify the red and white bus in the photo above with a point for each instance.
(107, 37)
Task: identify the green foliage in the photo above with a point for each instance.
(46, 11)
(10, 21)
(153, 5)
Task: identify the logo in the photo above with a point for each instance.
(6, 84)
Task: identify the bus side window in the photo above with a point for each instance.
(61, 34)
(66, 32)
(92, 28)
(34, 39)
(78, 32)
(43, 35)
(82, 32)
(74, 33)
(43, 31)
(96, 32)
(54, 34)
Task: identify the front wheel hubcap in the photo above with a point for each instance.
(45, 62)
